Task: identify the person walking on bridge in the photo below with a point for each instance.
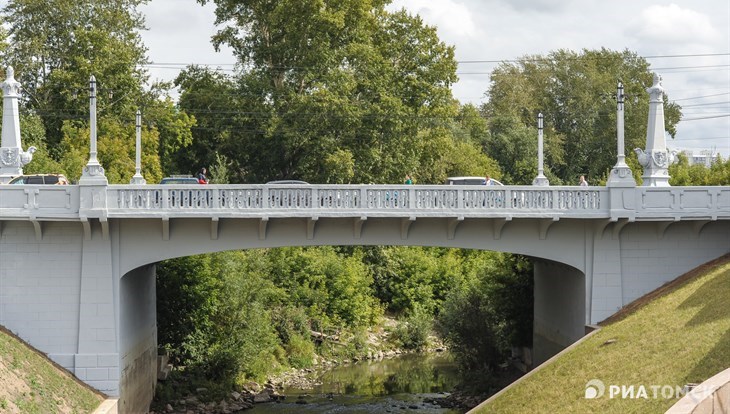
(202, 176)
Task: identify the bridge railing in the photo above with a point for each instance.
(350, 198)
(640, 203)
(30, 201)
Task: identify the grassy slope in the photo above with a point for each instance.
(30, 383)
(680, 337)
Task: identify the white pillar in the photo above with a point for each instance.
(12, 156)
(621, 175)
(655, 159)
(138, 178)
(540, 180)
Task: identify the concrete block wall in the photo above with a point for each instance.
(651, 257)
(605, 294)
(57, 293)
(40, 284)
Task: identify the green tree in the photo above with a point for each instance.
(482, 318)
(575, 92)
(683, 174)
(329, 91)
(56, 45)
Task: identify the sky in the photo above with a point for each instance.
(687, 42)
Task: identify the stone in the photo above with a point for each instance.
(262, 397)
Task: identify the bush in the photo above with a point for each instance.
(481, 320)
(300, 352)
(412, 333)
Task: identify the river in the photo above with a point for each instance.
(397, 385)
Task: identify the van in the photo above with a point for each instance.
(469, 181)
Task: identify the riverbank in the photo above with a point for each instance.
(379, 346)
(331, 381)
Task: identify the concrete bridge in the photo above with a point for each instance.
(77, 263)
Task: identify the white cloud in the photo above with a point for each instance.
(675, 25)
(453, 19)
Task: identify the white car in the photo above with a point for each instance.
(470, 181)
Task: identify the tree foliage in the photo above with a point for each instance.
(329, 91)
(481, 319)
(683, 174)
(58, 44)
(55, 46)
(575, 91)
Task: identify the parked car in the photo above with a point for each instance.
(180, 179)
(48, 179)
(470, 181)
(297, 182)
(177, 198)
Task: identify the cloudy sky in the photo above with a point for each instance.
(685, 41)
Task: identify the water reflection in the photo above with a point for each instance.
(394, 385)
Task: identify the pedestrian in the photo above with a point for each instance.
(583, 182)
(488, 180)
(409, 181)
(202, 176)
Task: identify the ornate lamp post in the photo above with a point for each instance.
(621, 173)
(540, 180)
(138, 178)
(93, 171)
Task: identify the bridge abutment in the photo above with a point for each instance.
(138, 332)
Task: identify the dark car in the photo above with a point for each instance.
(179, 179)
(48, 179)
(184, 198)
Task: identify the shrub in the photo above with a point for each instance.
(300, 352)
(412, 333)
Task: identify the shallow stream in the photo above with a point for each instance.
(398, 385)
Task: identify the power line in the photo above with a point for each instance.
(593, 57)
(700, 97)
(170, 65)
(706, 104)
(706, 117)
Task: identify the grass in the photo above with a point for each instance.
(681, 336)
(31, 383)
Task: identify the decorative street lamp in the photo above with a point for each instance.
(621, 175)
(138, 178)
(540, 180)
(93, 171)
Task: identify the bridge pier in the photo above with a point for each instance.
(97, 359)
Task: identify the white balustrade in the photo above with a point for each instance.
(17, 201)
